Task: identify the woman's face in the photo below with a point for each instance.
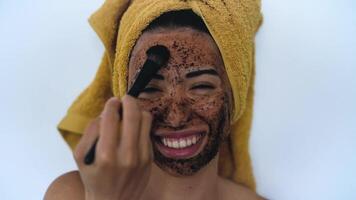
(189, 98)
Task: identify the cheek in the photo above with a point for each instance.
(155, 107)
(147, 105)
(209, 106)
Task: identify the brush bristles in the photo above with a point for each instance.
(159, 54)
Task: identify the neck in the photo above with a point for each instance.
(202, 185)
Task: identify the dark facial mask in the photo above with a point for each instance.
(177, 107)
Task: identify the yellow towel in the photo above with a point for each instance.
(232, 24)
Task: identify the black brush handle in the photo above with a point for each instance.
(149, 69)
(89, 158)
(157, 56)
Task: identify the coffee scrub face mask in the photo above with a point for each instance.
(190, 98)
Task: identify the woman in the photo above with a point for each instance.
(168, 142)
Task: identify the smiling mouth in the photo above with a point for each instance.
(184, 144)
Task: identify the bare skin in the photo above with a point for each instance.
(138, 167)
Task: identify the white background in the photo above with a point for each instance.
(303, 141)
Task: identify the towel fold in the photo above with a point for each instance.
(232, 24)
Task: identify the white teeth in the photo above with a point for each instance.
(175, 144)
(194, 140)
(189, 142)
(169, 143)
(180, 143)
(164, 141)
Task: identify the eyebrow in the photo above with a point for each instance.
(201, 72)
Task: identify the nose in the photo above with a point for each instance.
(178, 113)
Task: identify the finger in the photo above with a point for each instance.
(145, 145)
(109, 126)
(90, 134)
(130, 130)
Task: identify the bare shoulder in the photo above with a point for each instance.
(233, 191)
(67, 186)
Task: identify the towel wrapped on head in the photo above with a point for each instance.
(232, 24)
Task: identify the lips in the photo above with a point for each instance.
(180, 144)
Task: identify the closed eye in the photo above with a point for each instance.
(150, 90)
(202, 86)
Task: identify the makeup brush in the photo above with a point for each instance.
(157, 57)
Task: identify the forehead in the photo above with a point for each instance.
(180, 41)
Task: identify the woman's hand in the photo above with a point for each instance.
(123, 156)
